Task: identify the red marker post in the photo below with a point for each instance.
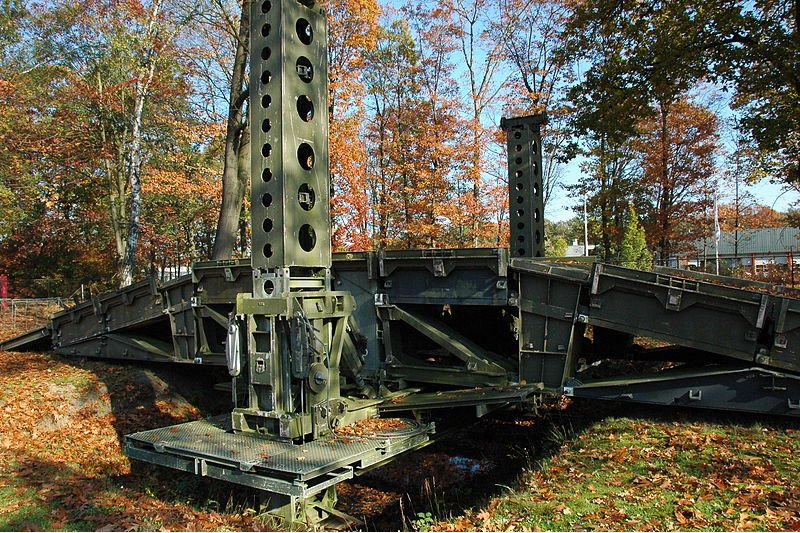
(4, 292)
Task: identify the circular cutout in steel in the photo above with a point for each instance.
(267, 225)
(520, 199)
(307, 237)
(517, 135)
(269, 287)
(266, 125)
(267, 250)
(536, 215)
(518, 174)
(305, 156)
(518, 148)
(521, 238)
(266, 101)
(266, 52)
(304, 69)
(266, 175)
(520, 212)
(306, 197)
(304, 31)
(518, 161)
(538, 237)
(521, 252)
(265, 29)
(266, 5)
(519, 186)
(266, 199)
(305, 108)
(266, 150)
(266, 77)
(520, 225)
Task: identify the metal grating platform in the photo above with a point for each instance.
(209, 447)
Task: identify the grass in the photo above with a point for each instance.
(666, 473)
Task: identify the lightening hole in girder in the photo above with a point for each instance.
(267, 225)
(266, 77)
(266, 5)
(266, 175)
(304, 69)
(538, 237)
(520, 225)
(518, 161)
(307, 237)
(268, 253)
(269, 285)
(518, 174)
(266, 101)
(265, 29)
(305, 108)
(520, 212)
(518, 148)
(266, 52)
(536, 215)
(304, 31)
(521, 252)
(517, 134)
(306, 197)
(520, 199)
(519, 186)
(266, 125)
(305, 156)
(266, 199)
(266, 150)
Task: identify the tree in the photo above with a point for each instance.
(481, 52)
(412, 138)
(678, 185)
(352, 36)
(123, 79)
(755, 47)
(236, 169)
(633, 251)
(531, 32)
(750, 46)
(608, 181)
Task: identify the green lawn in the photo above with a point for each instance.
(661, 473)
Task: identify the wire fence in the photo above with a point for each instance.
(18, 315)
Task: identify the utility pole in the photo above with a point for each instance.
(585, 229)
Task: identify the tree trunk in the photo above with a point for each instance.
(666, 187)
(236, 168)
(128, 265)
(144, 80)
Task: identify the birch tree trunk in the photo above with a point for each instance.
(144, 80)
(235, 173)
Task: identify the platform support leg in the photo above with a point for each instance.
(315, 512)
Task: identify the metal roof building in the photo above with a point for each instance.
(752, 247)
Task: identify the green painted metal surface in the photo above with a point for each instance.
(525, 193)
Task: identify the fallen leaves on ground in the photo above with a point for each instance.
(623, 474)
(61, 460)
